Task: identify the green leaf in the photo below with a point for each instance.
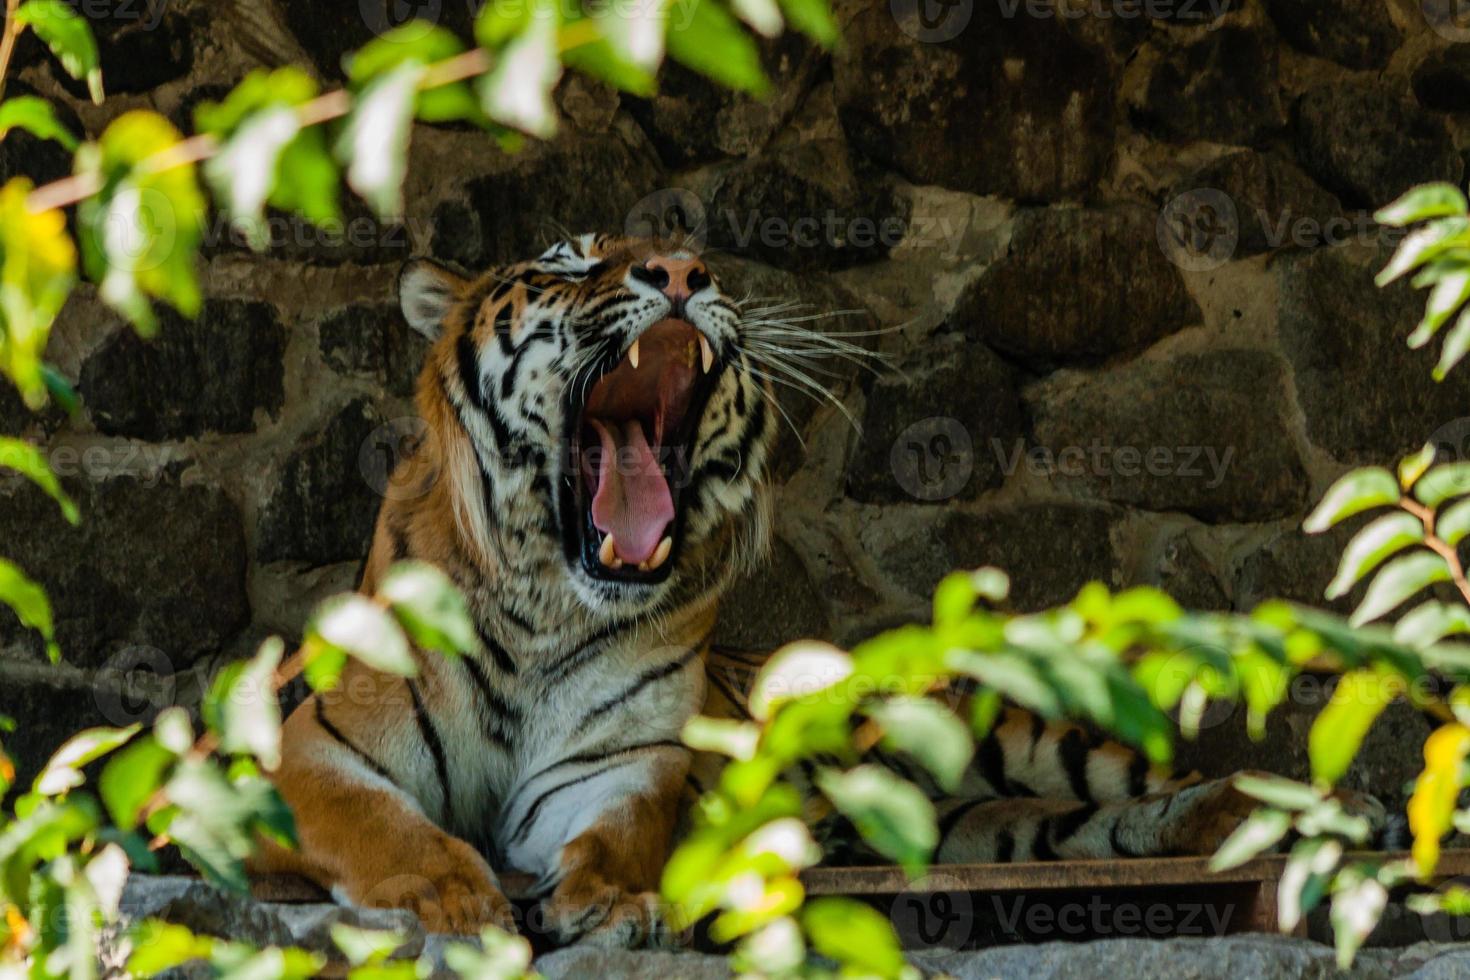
(1427, 624)
(797, 670)
(37, 270)
(813, 18)
(1456, 344)
(763, 16)
(1421, 245)
(1284, 794)
(27, 460)
(500, 20)
(1358, 700)
(634, 34)
(855, 934)
(501, 956)
(374, 141)
(1414, 465)
(242, 709)
(246, 167)
(69, 37)
(1354, 493)
(131, 778)
(1400, 579)
(517, 90)
(736, 739)
(63, 771)
(416, 41)
(1358, 901)
(928, 731)
(1426, 201)
(891, 814)
(703, 36)
(366, 945)
(36, 116)
(429, 608)
(1304, 880)
(140, 235)
(1443, 482)
(1384, 537)
(366, 631)
(1453, 523)
(1451, 289)
(28, 601)
(1259, 832)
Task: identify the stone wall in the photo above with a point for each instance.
(1120, 261)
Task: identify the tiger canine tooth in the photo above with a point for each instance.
(660, 554)
(707, 353)
(606, 553)
(633, 354)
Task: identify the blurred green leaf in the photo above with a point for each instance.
(736, 739)
(813, 18)
(241, 706)
(1354, 493)
(1453, 523)
(366, 945)
(26, 459)
(367, 632)
(1436, 200)
(1369, 547)
(1259, 832)
(1456, 344)
(1427, 624)
(1415, 465)
(1357, 701)
(797, 670)
(703, 36)
(1277, 791)
(1451, 289)
(892, 815)
(501, 956)
(1358, 901)
(28, 601)
(928, 731)
(374, 141)
(1399, 579)
(517, 89)
(1423, 244)
(1305, 879)
(63, 771)
(141, 233)
(1443, 482)
(855, 934)
(36, 116)
(429, 607)
(69, 37)
(131, 778)
(763, 16)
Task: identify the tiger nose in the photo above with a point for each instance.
(678, 278)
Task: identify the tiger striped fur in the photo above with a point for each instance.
(554, 749)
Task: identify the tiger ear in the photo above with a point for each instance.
(426, 291)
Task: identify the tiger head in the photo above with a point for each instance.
(614, 428)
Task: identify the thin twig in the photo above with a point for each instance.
(13, 28)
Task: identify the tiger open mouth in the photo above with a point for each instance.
(632, 443)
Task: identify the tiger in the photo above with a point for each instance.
(594, 472)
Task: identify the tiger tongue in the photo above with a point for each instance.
(632, 502)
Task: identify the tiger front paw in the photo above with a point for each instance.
(452, 891)
(587, 908)
(1204, 815)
